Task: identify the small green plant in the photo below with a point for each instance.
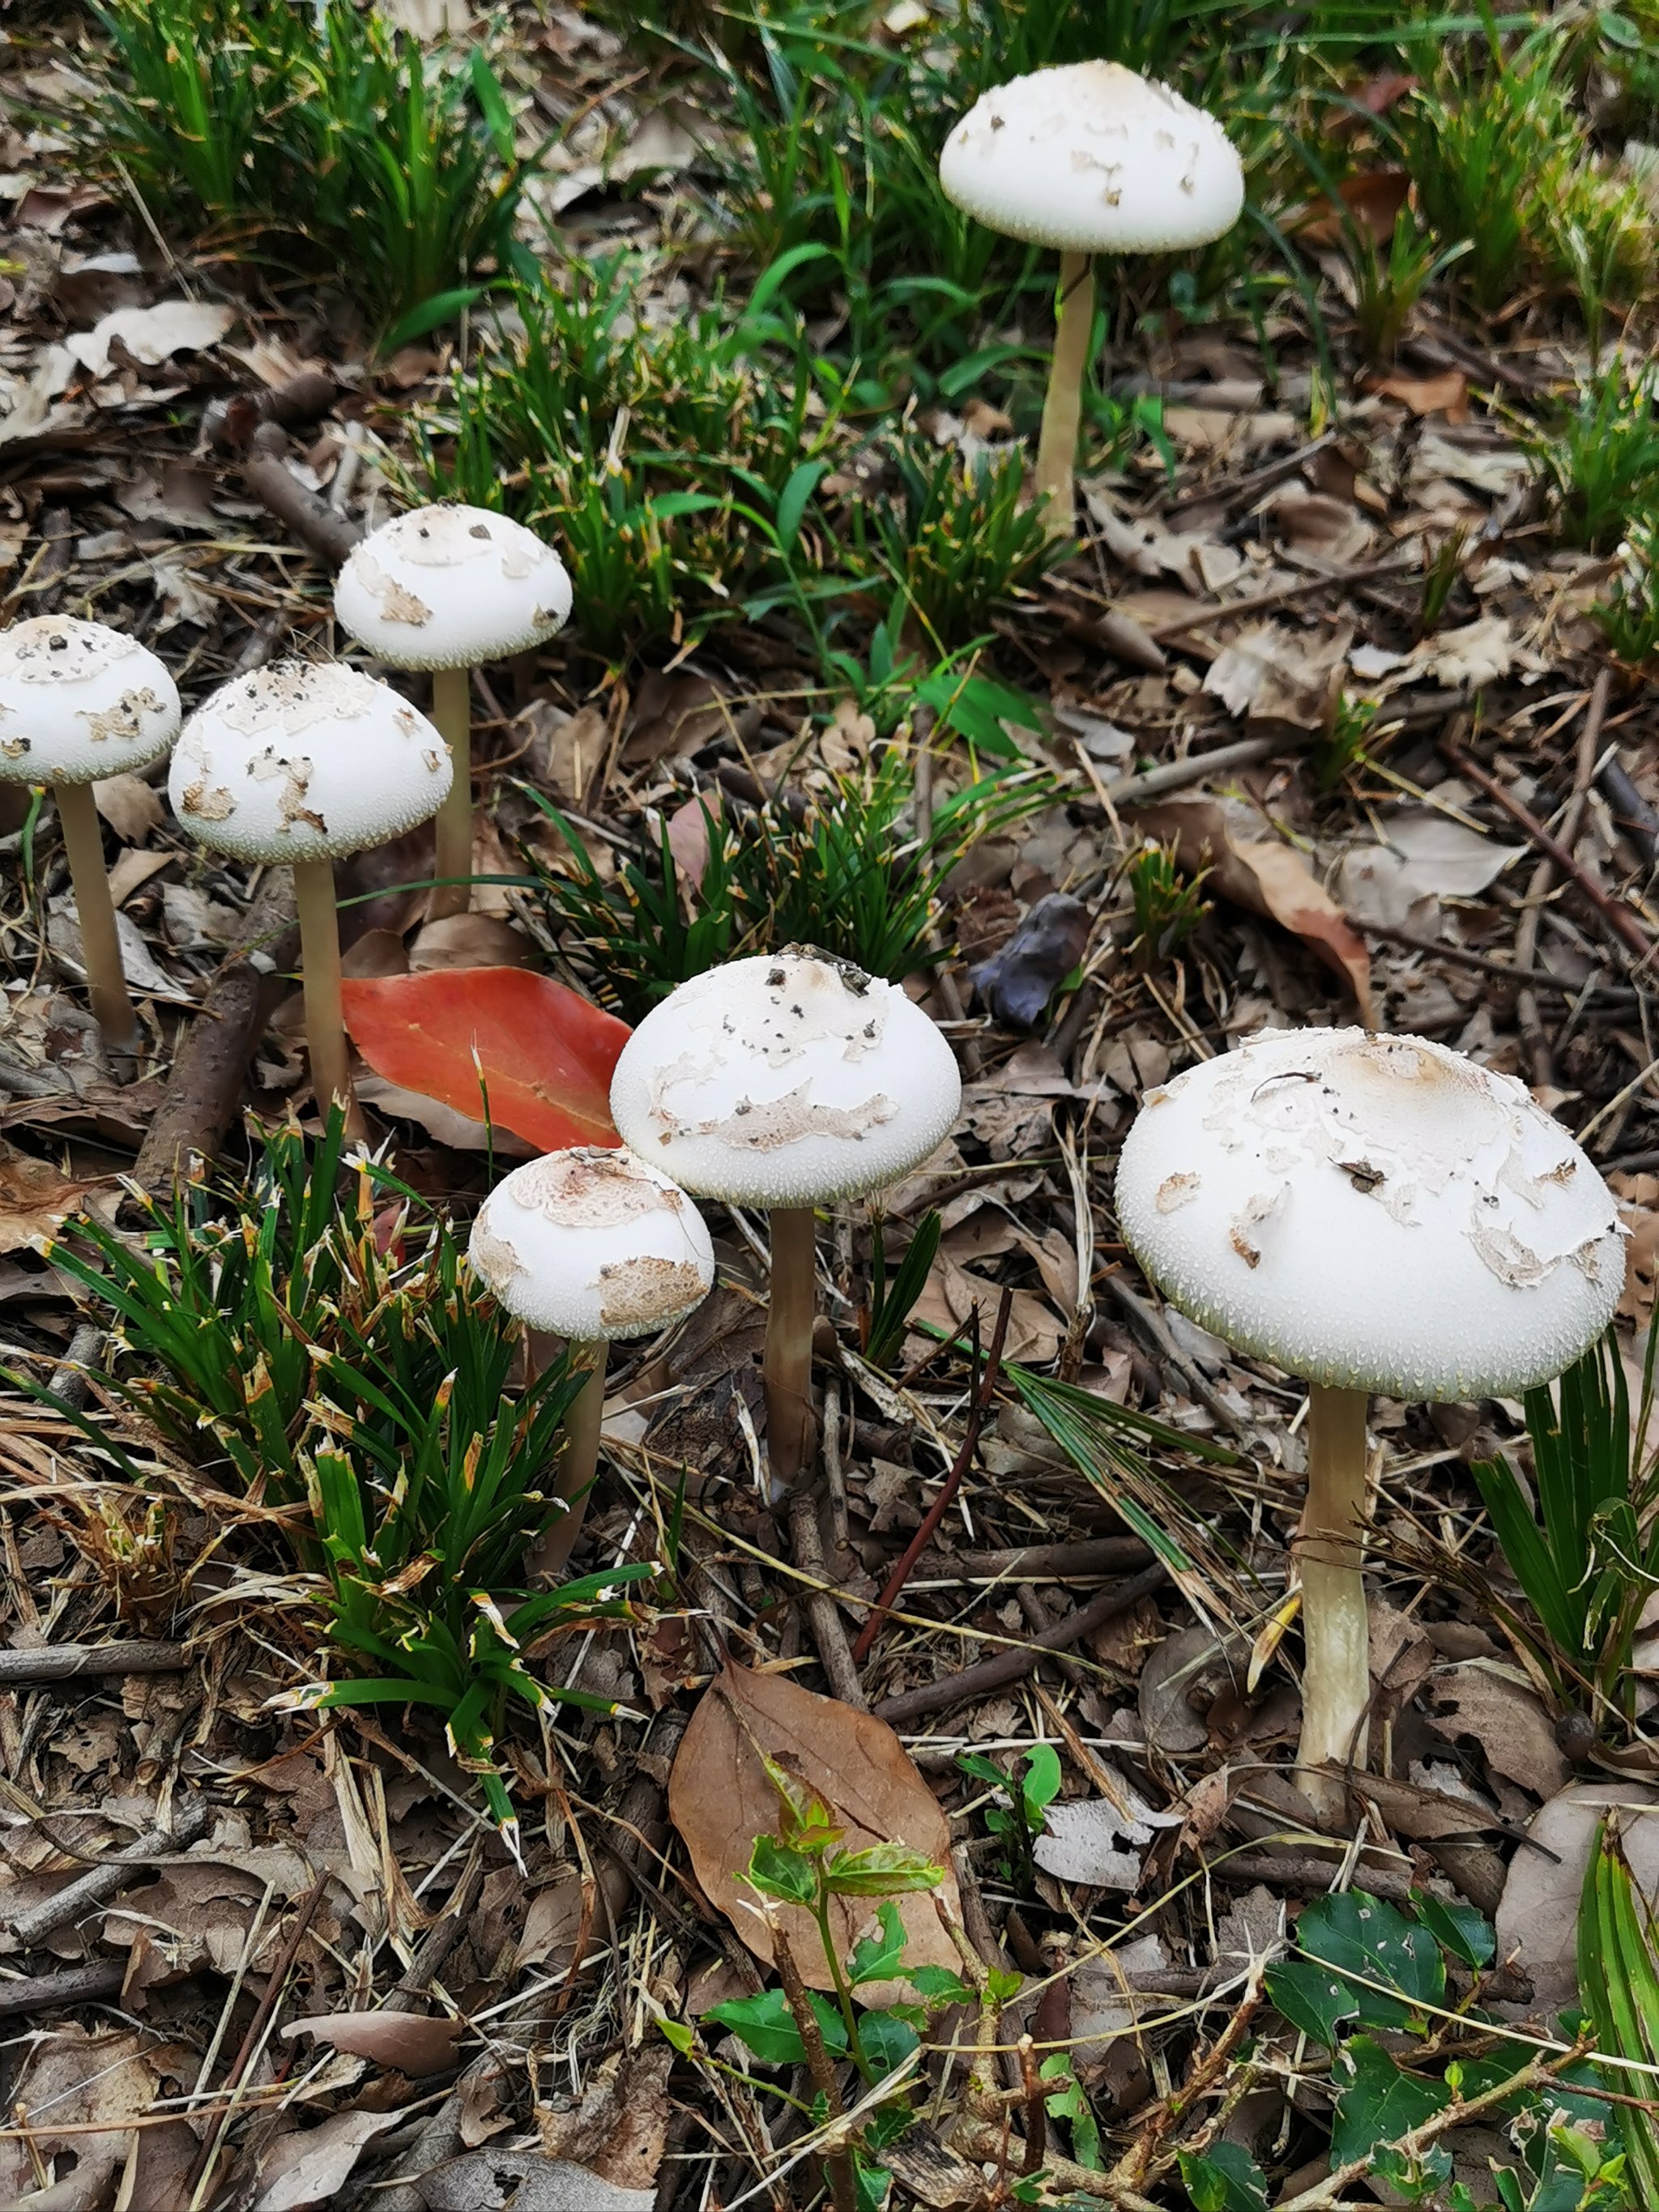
(1600, 458)
(806, 1865)
(1168, 905)
(1442, 569)
(317, 137)
(1586, 1558)
(846, 873)
(1389, 287)
(1353, 725)
(1629, 615)
(1019, 1820)
(891, 1302)
(959, 539)
(1618, 1981)
(334, 1359)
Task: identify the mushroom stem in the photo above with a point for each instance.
(451, 710)
(792, 1304)
(106, 981)
(1063, 408)
(319, 968)
(1336, 1679)
(578, 1462)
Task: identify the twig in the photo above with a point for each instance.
(1173, 775)
(936, 1512)
(1151, 1325)
(1534, 1036)
(1259, 601)
(1631, 812)
(310, 518)
(1036, 2111)
(1059, 1563)
(1510, 971)
(1010, 1666)
(100, 1978)
(69, 1381)
(838, 2163)
(821, 1612)
(1620, 920)
(87, 1891)
(62, 1663)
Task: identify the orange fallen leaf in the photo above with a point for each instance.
(540, 1056)
(1371, 201)
(1266, 878)
(411, 2042)
(1447, 394)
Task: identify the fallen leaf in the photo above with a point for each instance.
(1537, 1916)
(1447, 394)
(1271, 674)
(415, 2045)
(1506, 1718)
(310, 2166)
(544, 1054)
(132, 807)
(1167, 1716)
(470, 940)
(1016, 983)
(151, 334)
(950, 1293)
(551, 1926)
(36, 1199)
(494, 2180)
(720, 1800)
(1467, 658)
(1081, 1838)
(1445, 857)
(1370, 202)
(69, 2079)
(1103, 2004)
(619, 2130)
(1265, 878)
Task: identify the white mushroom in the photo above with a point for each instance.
(447, 588)
(1088, 158)
(1372, 1213)
(591, 1245)
(294, 765)
(79, 703)
(785, 1081)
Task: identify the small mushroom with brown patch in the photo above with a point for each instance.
(1089, 158)
(79, 703)
(292, 766)
(786, 1081)
(1374, 1213)
(590, 1245)
(447, 588)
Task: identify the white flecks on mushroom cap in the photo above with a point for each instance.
(300, 761)
(592, 1244)
(79, 702)
(450, 587)
(1089, 158)
(784, 1080)
(1373, 1213)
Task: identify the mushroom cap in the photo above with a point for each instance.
(784, 1080)
(450, 587)
(1372, 1213)
(1089, 158)
(303, 760)
(79, 702)
(592, 1244)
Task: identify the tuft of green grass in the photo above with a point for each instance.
(314, 138)
(1168, 906)
(1389, 287)
(959, 537)
(1600, 458)
(330, 1356)
(1628, 617)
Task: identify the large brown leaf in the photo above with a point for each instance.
(1265, 876)
(719, 1799)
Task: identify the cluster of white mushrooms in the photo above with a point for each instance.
(299, 763)
(1377, 1214)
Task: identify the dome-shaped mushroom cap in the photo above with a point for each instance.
(1090, 158)
(784, 1081)
(79, 702)
(592, 1244)
(1374, 1213)
(451, 586)
(302, 760)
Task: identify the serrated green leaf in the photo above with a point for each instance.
(767, 2026)
(887, 2042)
(876, 1958)
(1456, 1928)
(777, 1871)
(1225, 2179)
(1370, 1939)
(1378, 2102)
(883, 1870)
(1312, 1998)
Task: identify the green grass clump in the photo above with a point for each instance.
(959, 537)
(332, 1358)
(315, 139)
(1600, 458)
(849, 873)
(1628, 617)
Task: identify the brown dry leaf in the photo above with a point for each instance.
(1317, 522)
(130, 805)
(620, 2129)
(1639, 1209)
(493, 2181)
(1371, 201)
(191, 1916)
(951, 1292)
(1537, 1916)
(720, 1800)
(1265, 878)
(102, 2081)
(1271, 674)
(552, 1926)
(414, 2044)
(35, 1199)
(470, 940)
(310, 2166)
(1401, 1659)
(1505, 1715)
(1447, 394)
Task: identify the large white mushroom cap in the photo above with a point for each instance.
(1372, 1213)
(592, 1244)
(1089, 158)
(302, 760)
(786, 1080)
(79, 702)
(451, 586)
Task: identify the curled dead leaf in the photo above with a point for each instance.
(414, 2044)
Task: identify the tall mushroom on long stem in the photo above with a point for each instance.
(1087, 158)
(590, 1245)
(449, 588)
(786, 1081)
(295, 766)
(80, 703)
(1373, 1213)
